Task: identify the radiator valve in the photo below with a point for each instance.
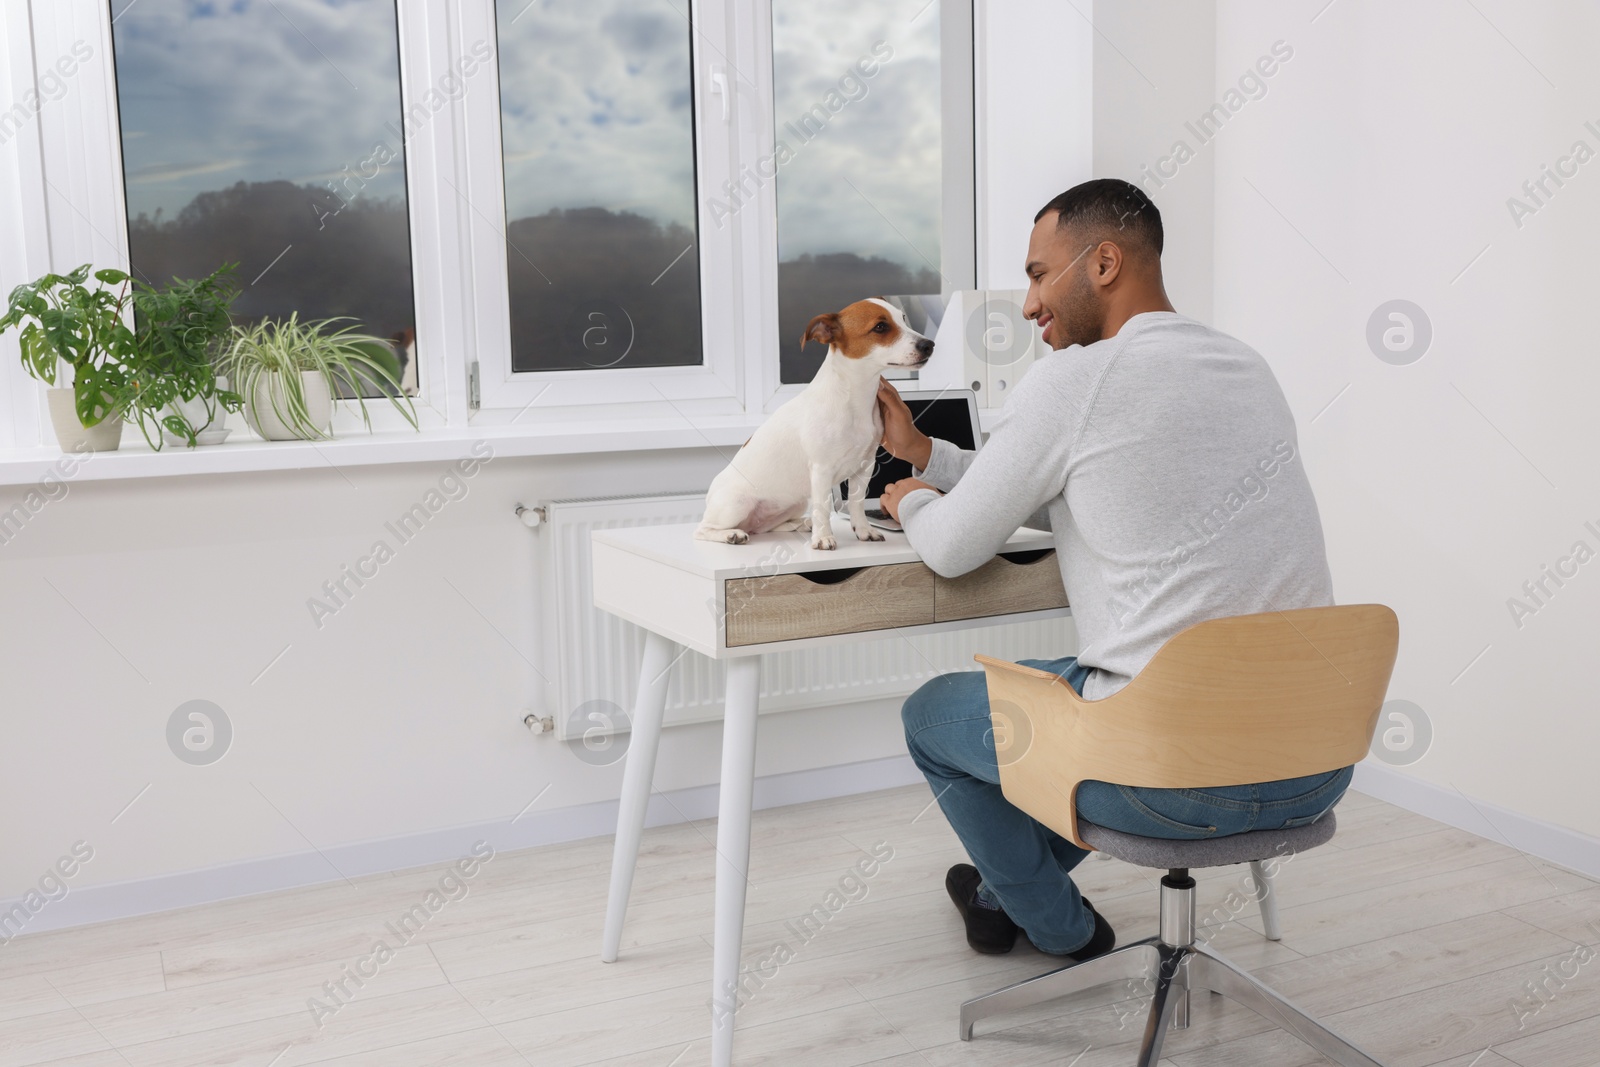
(532, 518)
(539, 724)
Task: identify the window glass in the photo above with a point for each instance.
(597, 122)
(857, 161)
(271, 135)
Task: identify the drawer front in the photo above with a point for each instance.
(1016, 581)
(788, 607)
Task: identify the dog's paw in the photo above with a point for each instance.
(867, 533)
(736, 537)
(824, 541)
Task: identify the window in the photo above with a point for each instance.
(270, 135)
(575, 213)
(597, 131)
(858, 141)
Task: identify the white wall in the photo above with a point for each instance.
(1064, 99)
(1374, 163)
(1378, 168)
(1153, 72)
(398, 715)
(1035, 75)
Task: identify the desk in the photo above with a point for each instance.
(734, 602)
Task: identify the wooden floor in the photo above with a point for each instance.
(1415, 939)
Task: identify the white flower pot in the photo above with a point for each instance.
(74, 436)
(205, 413)
(268, 388)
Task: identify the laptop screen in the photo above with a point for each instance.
(948, 417)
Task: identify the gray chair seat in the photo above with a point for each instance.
(1210, 851)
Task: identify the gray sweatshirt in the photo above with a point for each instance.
(1165, 462)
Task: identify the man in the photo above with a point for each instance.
(1163, 457)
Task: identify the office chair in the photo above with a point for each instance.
(1252, 698)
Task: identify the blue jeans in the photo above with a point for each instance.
(1025, 865)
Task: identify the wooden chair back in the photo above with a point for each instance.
(1231, 701)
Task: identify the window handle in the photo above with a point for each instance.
(719, 85)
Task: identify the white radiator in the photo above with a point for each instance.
(596, 655)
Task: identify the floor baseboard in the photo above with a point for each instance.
(1558, 844)
(102, 903)
(121, 900)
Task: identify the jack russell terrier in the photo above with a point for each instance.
(783, 477)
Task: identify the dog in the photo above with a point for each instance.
(782, 479)
(405, 347)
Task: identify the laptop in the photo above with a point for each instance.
(950, 414)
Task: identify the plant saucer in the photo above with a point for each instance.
(213, 436)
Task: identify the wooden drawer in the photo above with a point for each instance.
(1011, 582)
(787, 607)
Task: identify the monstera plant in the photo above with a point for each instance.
(72, 330)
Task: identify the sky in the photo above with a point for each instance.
(212, 92)
(886, 144)
(597, 108)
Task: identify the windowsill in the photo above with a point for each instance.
(135, 459)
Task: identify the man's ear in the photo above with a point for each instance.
(1106, 263)
(824, 329)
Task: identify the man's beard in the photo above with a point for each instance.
(1080, 320)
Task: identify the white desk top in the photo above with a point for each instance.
(778, 553)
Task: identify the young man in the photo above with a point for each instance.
(1162, 455)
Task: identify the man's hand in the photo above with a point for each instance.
(901, 437)
(895, 492)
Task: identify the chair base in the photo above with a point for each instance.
(1168, 968)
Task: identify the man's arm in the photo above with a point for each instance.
(946, 465)
(1020, 470)
(937, 462)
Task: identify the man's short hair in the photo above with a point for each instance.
(1108, 209)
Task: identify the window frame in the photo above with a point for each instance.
(710, 387)
(455, 188)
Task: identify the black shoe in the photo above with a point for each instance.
(989, 930)
(1100, 942)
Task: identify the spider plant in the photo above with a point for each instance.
(271, 363)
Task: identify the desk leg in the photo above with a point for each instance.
(733, 848)
(648, 706)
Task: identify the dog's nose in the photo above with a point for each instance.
(924, 348)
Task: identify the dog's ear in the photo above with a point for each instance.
(824, 329)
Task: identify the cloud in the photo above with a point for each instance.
(173, 172)
(597, 109)
(887, 144)
(283, 88)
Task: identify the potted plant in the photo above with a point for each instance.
(64, 323)
(180, 331)
(288, 372)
